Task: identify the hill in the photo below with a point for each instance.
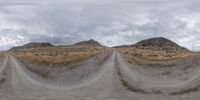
(122, 46)
(158, 48)
(90, 42)
(159, 43)
(32, 45)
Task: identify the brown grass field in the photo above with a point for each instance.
(2, 55)
(43, 60)
(63, 55)
(155, 55)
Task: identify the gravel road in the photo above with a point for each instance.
(114, 80)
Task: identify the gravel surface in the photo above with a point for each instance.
(114, 79)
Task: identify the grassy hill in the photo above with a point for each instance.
(158, 48)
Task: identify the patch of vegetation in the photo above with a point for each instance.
(131, 88)
(2, 80)
(166, 73)
(130, 62)
(127, 85)
(44, 72)
(2, 55)
(154, 55)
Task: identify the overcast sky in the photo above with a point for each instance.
(111, 22)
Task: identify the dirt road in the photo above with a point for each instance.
(114, 80)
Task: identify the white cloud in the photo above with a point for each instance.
(111, 23)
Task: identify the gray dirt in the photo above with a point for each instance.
(114, 79)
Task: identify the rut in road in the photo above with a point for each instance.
(116, 81)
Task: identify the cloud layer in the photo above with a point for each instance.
(111, 23)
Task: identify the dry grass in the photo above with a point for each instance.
(154, 55)
(54, 60)
(43, 60)
(2, 55)
(58, 55)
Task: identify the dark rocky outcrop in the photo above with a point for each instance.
(159, 43)
(32, 45)
(90, 42)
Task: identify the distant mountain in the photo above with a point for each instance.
(122, 46)
(32, 45)
(159, 43)
(90, 42)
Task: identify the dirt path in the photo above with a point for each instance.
(145, 88)
(140, 80)
(27, 88)
(116, 81)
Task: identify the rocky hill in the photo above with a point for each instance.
(159, 43)
(32, 45)
(90, 42)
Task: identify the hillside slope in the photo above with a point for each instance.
(32, 45)
(159, 43)
(90, 42)
(158, 48)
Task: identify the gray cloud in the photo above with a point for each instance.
(111, 23)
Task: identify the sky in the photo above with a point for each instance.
(111, 22)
